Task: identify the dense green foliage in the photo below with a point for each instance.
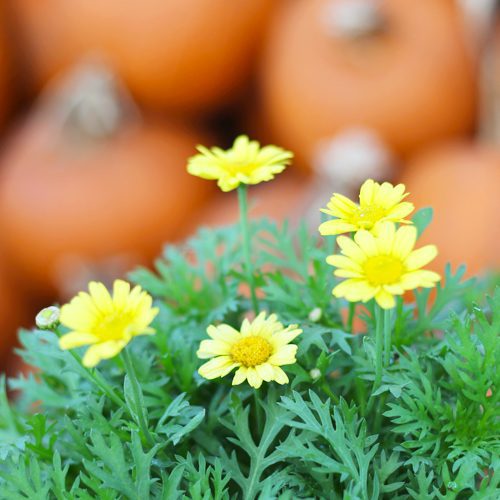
(430, 431)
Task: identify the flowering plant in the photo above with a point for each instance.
(232, 371)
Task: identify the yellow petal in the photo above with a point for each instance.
(223, 332)
(211, 348)
(254, 379)
(343, 262)
(421, 257)
(103, 350)
(394, 289)
(265, 372)
(385, 237)
(77, 315)
(341, 206)
(279, 375)
(421, 278)
(366, 192)
(284, 356)
(76, 339)
(284, 337)
(355, 290)
(404, 241)
(216, 367)
(366, 242)
(351, 249)
(400, 211)
(334, 227)
(240, 376)
(101, 297)
(121, 291)
(384, 299)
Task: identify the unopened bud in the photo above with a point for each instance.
(315, 373)
(48, 318)
(315, 314)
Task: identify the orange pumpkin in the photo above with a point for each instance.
(460, 181)
(71, 202)
(283, 198)
(13, 315)
(186, 55)
(5, 67)
(399, 68)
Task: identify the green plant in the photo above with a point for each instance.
(431, 430)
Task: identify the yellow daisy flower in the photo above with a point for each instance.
(106, 323)
(257, 350)
(377, 203)
(246, 162)
(383, 265)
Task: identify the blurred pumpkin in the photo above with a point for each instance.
(84, 184)
(5, 66)
(184, 55)
(399, 68)
(283, 198)
(460, 181)
(13, 314)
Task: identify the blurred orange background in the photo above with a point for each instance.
(102, 102)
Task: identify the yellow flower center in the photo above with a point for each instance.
(383, 269)
(366, 217)
(240, 167)
(251, 351)
(114, 326)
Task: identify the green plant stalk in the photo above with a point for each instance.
(129, 367)
(350, 317)
(245, 233)
(94, 376)
(326, 389)
(387, 336)
(379, 347)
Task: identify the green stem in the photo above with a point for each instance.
(94, 376)
(379, 347)
(258, 412)
(387, 336)
(245, 233)
(129, 367)
(326, 389)
(350, 318)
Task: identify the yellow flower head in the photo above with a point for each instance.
(383, 265)
(377, 203)
(257, 350)
(106, 323)
(246, 162)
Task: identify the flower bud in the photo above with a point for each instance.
(315, 314)
(48, 318)
(315, 373)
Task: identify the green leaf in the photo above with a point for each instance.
(422, 218)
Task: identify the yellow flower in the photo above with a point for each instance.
(377, 203)
(246, 162)
(257, 350)
(383, 265)
(106, 323)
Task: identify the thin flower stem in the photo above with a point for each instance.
(350, 318)
(245, 233)
(326, 389)
(379, 347)
(94, 376)
(129, 367)
(258, 412)
(387, 336)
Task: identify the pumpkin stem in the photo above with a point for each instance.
(489, 79)
(92, 103)
(343, 162)
(354, 19)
